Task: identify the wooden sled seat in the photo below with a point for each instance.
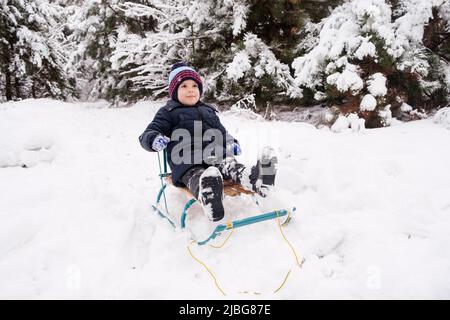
(230, 188)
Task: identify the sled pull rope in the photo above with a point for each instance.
(284, 281)
(226, 240)
(206, 267)
(230, 224)
(292, 248)
(299, 264)
(287, 241)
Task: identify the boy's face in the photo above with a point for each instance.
(188, 92)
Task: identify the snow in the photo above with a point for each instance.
(377, 85)
(447, 74)
(406, 107)
(386, 115)
(320, 96)
(240, 64)
(342, 35)
(240, 12)
(366, 49)
(346, 80)
(265, 63)
(443, 117)
(340, 124)
(358, 31)
(348, 123)
(368, 103)
(372, 220)
(356, 124)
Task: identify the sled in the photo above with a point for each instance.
(231, 189)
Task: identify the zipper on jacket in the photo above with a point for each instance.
(200, 117)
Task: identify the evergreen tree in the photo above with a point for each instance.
(92, 27)
(369, 58)
(316, 10)
(32, 61)
(125, 48)
(127, 55)
(152, 37)
(215, 26)
(256, 69)
(245, 47)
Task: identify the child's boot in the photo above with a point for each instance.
(211, 193)
(268, 163)
(249, 178)
(261, 176)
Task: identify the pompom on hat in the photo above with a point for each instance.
(180, 72)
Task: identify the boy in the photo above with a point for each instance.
(198, 161)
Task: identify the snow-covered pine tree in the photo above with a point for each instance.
(255, 69)
(316, 10)
(126, 48)
(368, 57)
(92, 26)
(155, 35)
(263, 55)
(214, 25)
(434, 90)
(32, 62)
(244, 47)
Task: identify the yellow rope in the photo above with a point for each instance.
(284, 281)
(248, 292)
(292, 248)
(287, 241)
(206, 267)
(226, 240)
(299, 264)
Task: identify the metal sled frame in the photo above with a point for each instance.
(230, 189)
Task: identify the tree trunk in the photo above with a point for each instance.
(8, 87)
(17, 87)
(33, 89)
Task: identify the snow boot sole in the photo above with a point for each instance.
(268, 166)
(211, 193)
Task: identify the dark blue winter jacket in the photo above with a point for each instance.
(175, 115)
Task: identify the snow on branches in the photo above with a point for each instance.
(257, 58)
(365, 54)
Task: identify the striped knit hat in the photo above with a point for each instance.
(180, 72)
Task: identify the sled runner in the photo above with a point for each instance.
(231, 189)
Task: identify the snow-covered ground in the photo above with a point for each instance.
(373, 216)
